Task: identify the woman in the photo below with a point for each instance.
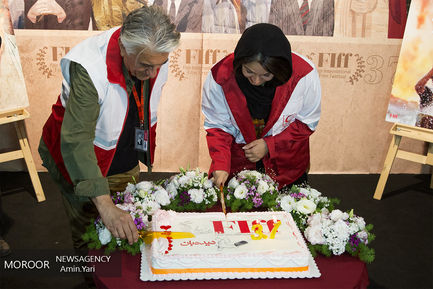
(261, 104)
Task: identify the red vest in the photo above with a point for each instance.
(289, 154)
(112, 63)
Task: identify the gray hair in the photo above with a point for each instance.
(148, 29)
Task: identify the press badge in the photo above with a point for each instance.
(141, 139)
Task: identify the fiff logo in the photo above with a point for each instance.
(195, 61)
(48, 58)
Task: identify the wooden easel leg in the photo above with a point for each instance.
(24, 144)
(430, 162)
(389, 160)
(431, 180)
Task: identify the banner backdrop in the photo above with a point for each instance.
(346, 18)
(356, 66)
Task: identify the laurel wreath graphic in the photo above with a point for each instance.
(357, 75)
(41, 62)
(174, 65)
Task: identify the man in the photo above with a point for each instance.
(302, 17)
(108, 14)
(222, 16)
(186, 14)
(110, 94)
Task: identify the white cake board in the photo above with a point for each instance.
(147, 275)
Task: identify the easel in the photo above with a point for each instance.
(17, 117)
(398, 131)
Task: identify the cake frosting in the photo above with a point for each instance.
(238, 242)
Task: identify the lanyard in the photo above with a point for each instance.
(140, 103)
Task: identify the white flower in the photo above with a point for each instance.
(314, 234)
(315, 220)
(336, 236)
(363, 236)
(196, 181)
(208, 184)
(171, 189)
(197, 195)
(353, 228)
(341, 229)
(214, 194)
(175, 182)
(271, 187)
(256, 174)
(244, 173)
(137, 204)
(287, 203)
(360, 222)
(191, 174)
(150, 206)
(315, 193)
(161, 196)
(262, 187)
(325, 212)
(184, 180)
(267, 178)
(345, 216)
(145, 186)
(305, 206)
(130, 188)
(233, 183)
(336, 215)
(248, 173)
(104, 236)
(241, 192)
(141, 193)
(304, 191)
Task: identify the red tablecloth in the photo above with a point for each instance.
(123, 272)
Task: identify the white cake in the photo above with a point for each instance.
(210, 242)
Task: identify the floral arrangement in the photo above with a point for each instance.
(140, 200)
(250, 190)
(186, 191)
(327, 230)
(190, 191)
(302, 202)
(337, 232)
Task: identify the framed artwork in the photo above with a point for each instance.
(411, 100)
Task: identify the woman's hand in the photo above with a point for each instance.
(255, 150)
(219, 178)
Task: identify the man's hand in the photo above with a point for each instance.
(117, 221)
(219, 178)
(255, 150)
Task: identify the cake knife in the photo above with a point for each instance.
(223, 204)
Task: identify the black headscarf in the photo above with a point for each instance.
(268, 40)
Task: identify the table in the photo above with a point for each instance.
(338, 272)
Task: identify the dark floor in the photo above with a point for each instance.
(403, 222)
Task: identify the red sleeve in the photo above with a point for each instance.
(219, 143)
(297, 131)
